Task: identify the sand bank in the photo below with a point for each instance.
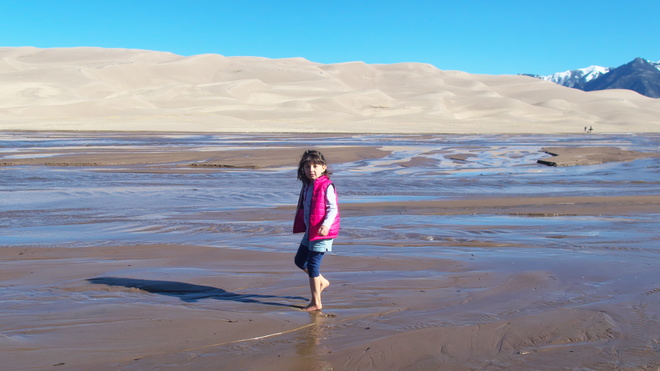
(277, 156)
(532, 206)
(188, 157)
(573, 156)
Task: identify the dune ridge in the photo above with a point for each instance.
(127, 90)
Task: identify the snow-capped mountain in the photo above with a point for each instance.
(576, 78)
(640, 75)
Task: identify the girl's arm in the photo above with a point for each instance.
(331, 208)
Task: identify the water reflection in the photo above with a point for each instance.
(310, 348)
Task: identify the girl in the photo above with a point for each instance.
(317, 215)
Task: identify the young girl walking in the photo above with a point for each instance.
(317, 215)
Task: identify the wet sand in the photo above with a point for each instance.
(191, 307)
(572, 156)
(477, 279)
(183, 157)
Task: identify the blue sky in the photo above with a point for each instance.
(486, 37)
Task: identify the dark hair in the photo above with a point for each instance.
(313, 157)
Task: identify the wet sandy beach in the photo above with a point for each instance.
(153, 251)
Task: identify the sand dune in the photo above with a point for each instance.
(120, 89)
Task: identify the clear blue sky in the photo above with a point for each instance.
(488, 36)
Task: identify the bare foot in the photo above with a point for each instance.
(312, 308)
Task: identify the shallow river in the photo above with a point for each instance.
(74, 206)
(475, 285)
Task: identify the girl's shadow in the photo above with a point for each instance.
(189, 292)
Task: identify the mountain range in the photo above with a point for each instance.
(640, 75)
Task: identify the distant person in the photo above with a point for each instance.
(317, 215)
(591, 129)
(585, 129)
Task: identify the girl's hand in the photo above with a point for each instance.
(323, 231)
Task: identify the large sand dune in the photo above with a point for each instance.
(120, 89)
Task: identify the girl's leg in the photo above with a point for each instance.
(301, 257)
(317, 283)
(316, 286)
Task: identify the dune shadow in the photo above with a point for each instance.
(190, 292)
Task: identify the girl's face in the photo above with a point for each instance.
(314, 171)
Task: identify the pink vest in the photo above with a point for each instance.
(317, 212)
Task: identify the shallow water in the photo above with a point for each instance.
(554, 287)
(86, 206)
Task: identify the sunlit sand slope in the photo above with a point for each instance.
(121, 89)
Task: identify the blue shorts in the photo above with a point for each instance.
(309, 260)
